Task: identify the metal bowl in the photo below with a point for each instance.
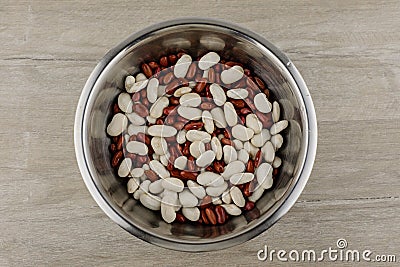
(94, 111)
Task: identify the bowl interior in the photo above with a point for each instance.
(194, 38)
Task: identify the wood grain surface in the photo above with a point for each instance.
(347, 51)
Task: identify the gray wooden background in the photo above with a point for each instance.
(348, 53)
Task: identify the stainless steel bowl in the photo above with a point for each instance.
(94, 108)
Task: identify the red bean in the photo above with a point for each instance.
(164, 61)
(172, 59)
(249, 205)
(180, 218)
(194, 125)
(222, 216)
(147, 70)
(189, 175)
(116, 159)
(211, 216)
(151, 175)
(257, 159)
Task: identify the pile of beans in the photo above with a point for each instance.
(196, 139)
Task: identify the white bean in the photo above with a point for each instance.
(254, 123)
(250, 148)
(226, 197)
(232, 168)
(156, 187)
(267, 183)
(135, 119)
(232, 75)
(182, 66)
(196, 135)
(161, 130)
(242, 133)
(137, 86)
(238, 144)
(205, 74)
(129, 81)
(230, 154)
(190, 100)
(277, 141)
(208, 121)
(137, 172)
(150, 119)
(196, 189)
(277, 162)
(278, 127)
(243, 155)
(173, 184)
(180, 162)
(268, 152)
(197, 148)
(276, 111)
(117, 125)
(192, 214)
(150, 201)
(218, 94)
(237, 196)
(216, 147)
(189, 113)
(140, 77)
(182, 90)
(170, 198)
(181, 137)
(232, 209)
(156, 156)
(216, 200)
(137, 148)
(206, 158)
(231, 116)
(159, 169)
(161, 90)
(216, 182)
(125, 167)
(259, 140)
(159, 145)
(264, 172)
(187, 199)
(132, 185)
(262, 104)
(125, 102)
(241, 178)
(164, 160)
(216, 191)
(207, 178)
(219, 117)
(157, 108)
(238, 93)
(152, 90)
(168, 213)
(145, 167)
(143, 188)
(208, 60)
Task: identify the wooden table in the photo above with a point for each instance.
(348, 53)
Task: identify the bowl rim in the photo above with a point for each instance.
(310, 136)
